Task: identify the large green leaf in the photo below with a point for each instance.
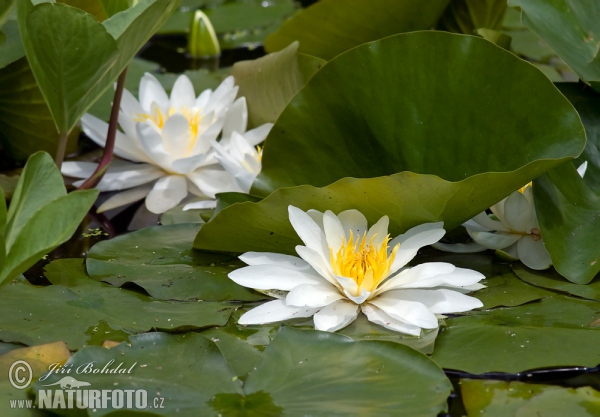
(419, 103)
(184, 371)
(330, 27)
(26, 125)
(308, 372)
(57, 312)
(75, 58)
(160, 259)
(270, 82)
(568, 214)
(500, 399)
(555, 332)
(551, 280)
(41, 215)
(72, 53)
(570, 28)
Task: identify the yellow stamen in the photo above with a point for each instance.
(367, 264)
(523, 188)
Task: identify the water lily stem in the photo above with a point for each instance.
(62, 147)
(111, 135)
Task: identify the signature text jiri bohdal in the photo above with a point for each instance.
(88, 368)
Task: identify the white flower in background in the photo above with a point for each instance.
(512, 228)
(344, 267)
(168, 141)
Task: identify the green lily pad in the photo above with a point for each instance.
(569, 28)
(161, 260)
(270, 82)
(554, 332)
(241, 356)
(325, 29)
(500, 398)
(26, 124)
(308, 372)
(182, 372)
(551, 280)
(45, 314)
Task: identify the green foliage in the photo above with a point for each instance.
(464, 137)
(160, 260)
(330, 27)
(270, 82)
(466, 16)
(41, 216)
(46, 314)
(500, 398)
(554, 332)
(75, 59)
(11, 47)
(551, 280)
(570, 29)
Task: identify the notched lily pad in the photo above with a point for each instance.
(552, 280)
(160, 260)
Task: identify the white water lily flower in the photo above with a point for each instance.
(345, 267)
(168, 141)
(512, 228)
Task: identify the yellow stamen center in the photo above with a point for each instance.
(367, 264)
(193, 116)
(523, 188)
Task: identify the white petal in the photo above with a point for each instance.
(317, 217)
(582, 168)
(353, 220)
(203, 99)
(152, 143)
(183, 95)
(533, 253)
(334, 233)
(358, 299)
(377, 316)
(308, 295)
(498, 240)
(277, 259)
(460, 277)
(212, 180)
(488, 224)
(417, 274)
(166, 194)
(78, 169)
(125, 197)
(176, 136)
(119, 177)
(335, 316)
(259, 134)
(152, 92)
(129, 105)
(125, 147)
(379, 231)
(310, 233)
(411, 312)
(206, 204)
(413, 240)
(460, 247)
(512, 251)
(187, 165)
(274, 311)
(236, 119)
(316, 261)
(272, 277)
(208, 130)
(222, 97)
(517, 212)
(438, 301)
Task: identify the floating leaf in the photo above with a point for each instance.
(44, 314)
(323, 374)
(551, 280)
(270, 82)
(11, 49)
(554, 332)
(330, 27)
(500, 398)
(160, 260)
(183, 371)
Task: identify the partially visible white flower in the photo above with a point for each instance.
(345, 267)
(512, 229)
(168, 141)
